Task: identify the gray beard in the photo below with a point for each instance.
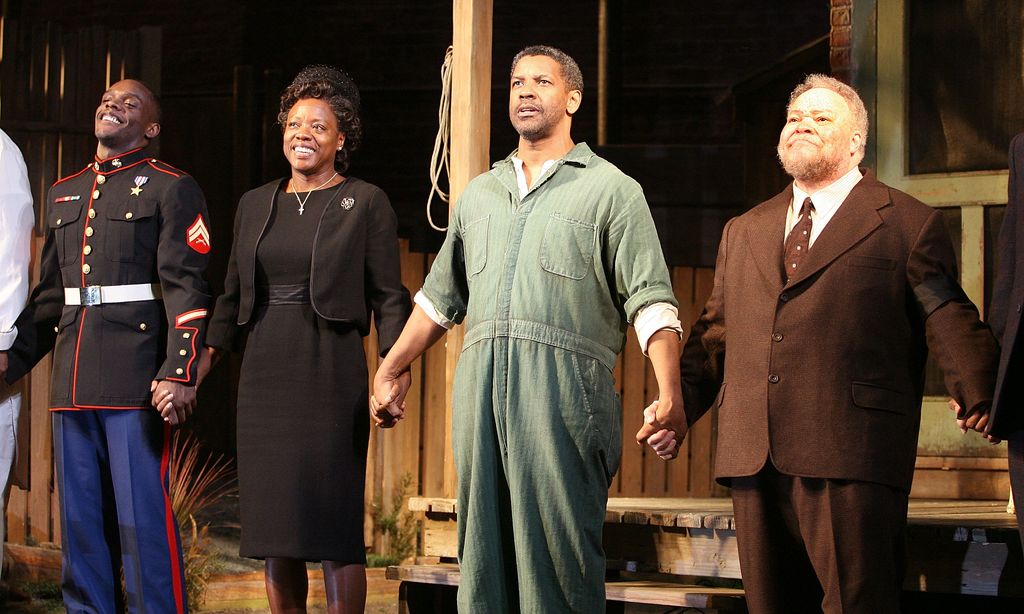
(813, 170)
(535, 133)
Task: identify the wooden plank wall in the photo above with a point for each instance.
(50, 83)
(417, 445)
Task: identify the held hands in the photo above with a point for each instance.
(664, 426)
(977, 420)
(387, 403)
(173, 400)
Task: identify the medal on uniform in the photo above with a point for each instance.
(65, 199)
(139, 182)
(347, 203)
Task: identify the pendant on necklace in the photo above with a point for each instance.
(302, 201)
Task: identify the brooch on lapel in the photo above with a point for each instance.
(347, 203)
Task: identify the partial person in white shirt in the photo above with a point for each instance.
(16, 220)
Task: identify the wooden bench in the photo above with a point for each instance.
(431, 588)
(953, 547)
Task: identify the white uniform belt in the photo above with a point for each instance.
(97, 295)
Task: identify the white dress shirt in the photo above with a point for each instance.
(649, 320)
(826, 203)
(16, 220)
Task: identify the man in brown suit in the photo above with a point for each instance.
(825, 296)
(1007, 302)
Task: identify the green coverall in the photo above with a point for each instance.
(546, 285)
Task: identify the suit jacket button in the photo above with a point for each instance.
(773, 378)
(776, 337)
(784, 297)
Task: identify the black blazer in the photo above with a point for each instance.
(1007, 301)
(355, 265)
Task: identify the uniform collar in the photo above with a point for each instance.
(579, 155)
(119, 162)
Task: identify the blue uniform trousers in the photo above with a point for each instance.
(112, 472)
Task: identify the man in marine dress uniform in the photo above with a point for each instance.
(122, 302)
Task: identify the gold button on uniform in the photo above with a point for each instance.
(56, 329)
(88, 231)
(186, 335)
(179, 370)
(59, 221)
(183, 352)
(95, 194)
(92, 214)
(128, 215)
(101, 179)
(87, 250)
(86, 269)
(142, 326)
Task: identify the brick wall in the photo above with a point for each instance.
(841, 39)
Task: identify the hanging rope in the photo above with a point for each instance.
(439, 159)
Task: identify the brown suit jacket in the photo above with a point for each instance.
(824, 374)
(1008, 301)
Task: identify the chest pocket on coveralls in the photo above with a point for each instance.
(475, 238)
(67, 236)
(132, 233)
(568, 247)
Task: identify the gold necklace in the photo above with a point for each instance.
(302, 201)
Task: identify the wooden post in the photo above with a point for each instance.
(470, 150)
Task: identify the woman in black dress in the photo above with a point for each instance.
(313, 255)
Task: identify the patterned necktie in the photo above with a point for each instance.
(798, 240)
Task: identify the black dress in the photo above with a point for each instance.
(303, 424)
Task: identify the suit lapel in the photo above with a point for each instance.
(765, 236)
(856, 218)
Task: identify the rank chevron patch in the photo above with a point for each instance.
(198, 236)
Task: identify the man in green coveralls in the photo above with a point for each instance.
(548, 257)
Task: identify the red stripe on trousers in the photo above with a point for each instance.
(165, 461)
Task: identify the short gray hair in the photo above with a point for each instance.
(570, 69)
(847, 93)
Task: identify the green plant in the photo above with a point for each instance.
(397, 526)
(196, 483)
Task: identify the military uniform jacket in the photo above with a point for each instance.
(130, 219)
